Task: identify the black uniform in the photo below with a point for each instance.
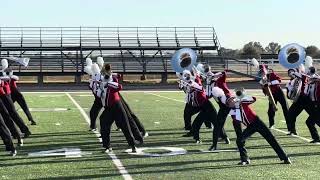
(114, 111)
(17, 96)
(6, 136)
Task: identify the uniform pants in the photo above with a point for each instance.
(278, 97)
(6, 136)
(7, 101)
(9, 121)
(314, 119)
(219, 126)
(16, 96)
(188, 112)
(303, 103)
(111, 114)
(207, 111)
(94, 112)
(260, 127)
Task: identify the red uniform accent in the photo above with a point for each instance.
(221, 83)
(13, 84)
(2, 92)
(6, 87)
(112, 94)
(248, 115)
(198, 80)
(198, 97)
(304, 83)
(273, 77)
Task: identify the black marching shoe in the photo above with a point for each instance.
(243, 163)
(33, 123)
(212, 148)
(13, 153)
(108, 150)
(227, 140)
(27, 134)
(292, 133)
(287, 161)
(20, 142)
(134, 149)
(315, 141)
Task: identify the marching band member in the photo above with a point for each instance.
(190, 110)
(312, 90)
(95, 80)
(8, 103)
(248, 117)
(198, 99)
(113, 111)
(222, 99)
(218, 80)
(17, 96)
(136, 126)
(301, 101)
(9, 122)
(271, 83)
(6, 138)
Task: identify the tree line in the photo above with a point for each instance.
(255, 50)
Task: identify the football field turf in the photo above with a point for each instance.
(61, 147)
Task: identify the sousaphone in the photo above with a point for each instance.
(292, 56)
(183, 59)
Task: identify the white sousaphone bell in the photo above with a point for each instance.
(293, 56)
(183, 59)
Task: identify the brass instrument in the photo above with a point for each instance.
(267, 91)
(293, 56)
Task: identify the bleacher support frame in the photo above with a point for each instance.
(59, 51)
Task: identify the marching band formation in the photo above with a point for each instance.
(199, 84)
(11, 124)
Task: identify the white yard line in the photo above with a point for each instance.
(300, 137)
(284, 132)
(116, 161)
(164, 97)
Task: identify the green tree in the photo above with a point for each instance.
(273, 48)
(312, 51)
(252, 50)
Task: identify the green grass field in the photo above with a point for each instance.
(162, 115)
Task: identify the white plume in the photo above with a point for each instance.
(200, 68)
(100, 61)
(95, 68)
(217, 92)
(4, 64)
(178, 75)
(88, 70)
(308, 62)
(302, 68)
(255, 63)
(88, 62)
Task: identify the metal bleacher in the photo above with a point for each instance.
(63, 50)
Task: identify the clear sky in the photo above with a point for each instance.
(236, 21)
